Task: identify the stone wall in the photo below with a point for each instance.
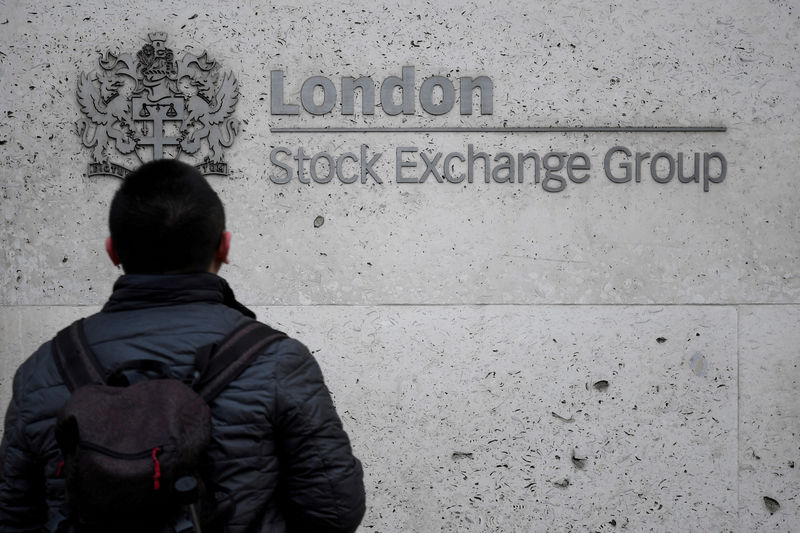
(613, 356)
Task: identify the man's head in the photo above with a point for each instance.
(166, 218)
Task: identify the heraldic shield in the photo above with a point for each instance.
(154, 105)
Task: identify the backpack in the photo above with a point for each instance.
(134, 455)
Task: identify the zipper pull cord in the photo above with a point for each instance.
(156, 470)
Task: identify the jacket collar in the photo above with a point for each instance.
(140, 291)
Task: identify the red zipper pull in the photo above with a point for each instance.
(156, 471)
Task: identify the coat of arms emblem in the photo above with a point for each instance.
(154, 105)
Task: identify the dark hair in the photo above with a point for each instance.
(166, 218)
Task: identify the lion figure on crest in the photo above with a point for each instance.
(213, 111)
(105, 111)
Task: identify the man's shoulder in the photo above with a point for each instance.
(287, 353)
(36, 363)
(38, 389)
(116, 336)
(289, 347)
(286, 363)
(111, 333)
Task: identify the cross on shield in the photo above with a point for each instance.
(169, 109)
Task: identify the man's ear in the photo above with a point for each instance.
(112, 253)
(224, 247)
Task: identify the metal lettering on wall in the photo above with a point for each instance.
(154, 105)
(553, 169)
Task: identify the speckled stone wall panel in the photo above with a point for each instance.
(574, 63)
(769, 416)
(522, 418)
(536, 418)
(615, 409)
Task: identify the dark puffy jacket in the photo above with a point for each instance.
(277, 443)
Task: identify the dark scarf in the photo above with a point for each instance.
(138, 291)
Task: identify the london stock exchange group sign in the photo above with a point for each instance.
(154, 105)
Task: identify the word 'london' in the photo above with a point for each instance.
(405, 83)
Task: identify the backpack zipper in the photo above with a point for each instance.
(152, 454)
(117, 455)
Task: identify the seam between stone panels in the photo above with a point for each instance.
(738, 419)
(468, 304)
(728, 305)
(460, 304)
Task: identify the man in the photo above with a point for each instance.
(277, 444)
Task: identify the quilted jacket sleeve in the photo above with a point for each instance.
(22, 499)
(322, 482)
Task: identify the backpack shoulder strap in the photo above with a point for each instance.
(74, 359)
(232, 356)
